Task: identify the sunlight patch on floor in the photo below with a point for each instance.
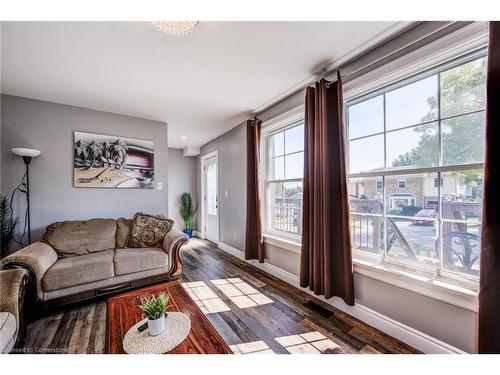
(240, 293)
(255, 347)
(205, 298)
(306, 343)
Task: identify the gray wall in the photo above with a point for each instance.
(232, 177)
(451, 324)
(49, 127)
(181, 179)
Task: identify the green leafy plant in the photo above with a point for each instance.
(155, 306)
(7, 225)
(187, 210)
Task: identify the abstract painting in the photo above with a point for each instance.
(105, 161)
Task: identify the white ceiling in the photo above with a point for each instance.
(202, 84)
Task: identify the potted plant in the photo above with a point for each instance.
(187, 210)
(155, 308)
(7, 226)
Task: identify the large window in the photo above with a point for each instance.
(416, 169)
(283, 181)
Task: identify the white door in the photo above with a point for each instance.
(211, 199)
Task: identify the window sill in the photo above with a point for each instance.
(439, 288)
(282, 243)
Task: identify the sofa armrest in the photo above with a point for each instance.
(12, 292)
(172, 244)
(37, 258)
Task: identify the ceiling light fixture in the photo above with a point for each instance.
(184, 137)
(175, 27)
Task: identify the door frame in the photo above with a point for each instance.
(202, 200)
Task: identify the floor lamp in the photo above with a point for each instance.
(26, 154)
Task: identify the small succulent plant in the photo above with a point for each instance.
(155, 306)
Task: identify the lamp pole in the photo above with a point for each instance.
(27, 154)
(27, 160)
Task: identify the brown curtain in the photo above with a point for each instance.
(253, 234)
(326, 259)
(489, 283)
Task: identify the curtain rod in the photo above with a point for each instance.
(453, 25)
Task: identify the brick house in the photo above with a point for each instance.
(419, 190)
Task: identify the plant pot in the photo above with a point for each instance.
(189, 232)
(156, 326)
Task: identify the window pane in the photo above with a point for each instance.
(294, 165)
(365, 200)
(413, 147)
(412, 104)
(413, 197)
(412, 239)
(274, 193)
(277, 144)
(366, 154)
(212, 189)
(462, 195)
(274, 200)
(463, 88)
(367, 233)
(366, 195)
(366, 118)
(277, 168)
(461, 246)
(294, 139)
(292, 207)
(463, 139)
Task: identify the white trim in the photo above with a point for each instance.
(198, 234)
(400, 331)
(451, 46)
(202, 184)
(429, 285)
(231, 250)
(282, 243)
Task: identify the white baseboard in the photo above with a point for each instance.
(400, 331)
(231, 250)
(197, 234)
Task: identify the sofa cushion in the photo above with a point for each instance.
(123, 227)
(72, 238)
(136, 260)
(148, 230)
(7, 331)
(68, 272)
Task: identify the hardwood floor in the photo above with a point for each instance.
(253, 311)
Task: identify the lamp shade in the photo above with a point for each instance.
(29, 152)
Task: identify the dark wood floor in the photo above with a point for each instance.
(252, 310)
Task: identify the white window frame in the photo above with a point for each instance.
(423, 270)
(403, 181)
(280, 123)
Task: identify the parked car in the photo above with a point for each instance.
(422, 217)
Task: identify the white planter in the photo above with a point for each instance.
(156, 326)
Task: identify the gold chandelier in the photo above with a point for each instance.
(175, 27)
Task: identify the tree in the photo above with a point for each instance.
(119, 151)
(462, 90)
(94, 150)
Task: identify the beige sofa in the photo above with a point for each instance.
(82, 260)
(13, 285)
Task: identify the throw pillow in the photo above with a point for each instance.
(148, 230)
